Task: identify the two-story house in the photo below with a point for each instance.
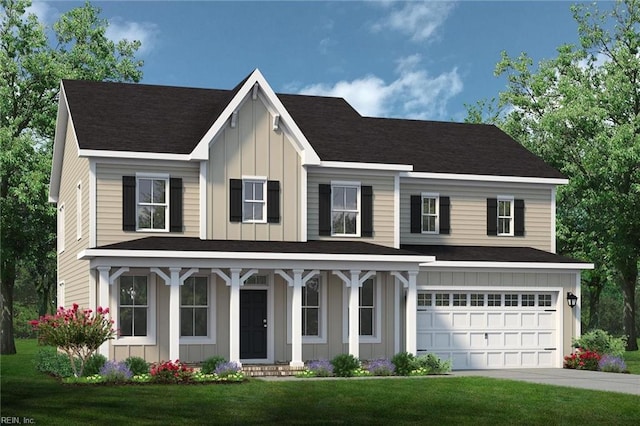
(281, 228)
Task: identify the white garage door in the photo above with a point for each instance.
(485, 329)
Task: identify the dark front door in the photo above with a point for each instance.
(253, 324)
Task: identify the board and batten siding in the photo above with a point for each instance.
(109, 198)
(74, 273)
(383, 199)
(253, 149)
(469, 213)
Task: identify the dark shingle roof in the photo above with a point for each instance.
(246, 246)
(489, 254)
(147, 118)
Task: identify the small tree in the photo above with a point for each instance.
(76, 332)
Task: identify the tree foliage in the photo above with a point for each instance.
(33, 60)
(580, 111)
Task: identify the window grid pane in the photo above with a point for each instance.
(494, 300)
(311, 308)
(510, 300)
(528, 300)
(477, 299)
(194, 307)
(429, 214)
(367, 308)
(442, 299)
(152, 203)
(544, 300)
(254, 202)
(459, 299)
(132, 309)
(424, 299)
(504, 217)
(344, 210)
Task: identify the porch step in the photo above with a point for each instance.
(278, 370)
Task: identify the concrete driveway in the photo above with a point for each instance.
(595, 380)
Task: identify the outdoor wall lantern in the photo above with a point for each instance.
(572, 299)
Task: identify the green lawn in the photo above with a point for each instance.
(632, 359)
(434, 400)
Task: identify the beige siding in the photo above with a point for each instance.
(253, 148)
(469, 213)
(503, 280)
(383, 202)
(109, 198)
(74, 273)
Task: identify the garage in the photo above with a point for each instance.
(490, 329)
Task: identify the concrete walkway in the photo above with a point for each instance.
(595, 380)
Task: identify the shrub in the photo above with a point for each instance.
(433, 364)
(210, 364)
(404, 362)
(113, 371)
(321, 368)
(612, 364)
(227, 369)
(94, 364)
(76, 331)
(22, 314)
(49, 361)
(170, 372)
(582, 360)
(137, 365)
(381, 367)
(345, 365)
(601, 342)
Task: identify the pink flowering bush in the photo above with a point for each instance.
(582, 360)
(77, 332)
(171, 372)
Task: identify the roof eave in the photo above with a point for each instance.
(59, 140)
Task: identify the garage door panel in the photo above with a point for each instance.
(476, 337)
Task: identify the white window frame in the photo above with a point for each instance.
(79, 211)
(60, 294)
(61, 228)
(357, 211)
(150, 338)
(261, 180)
(510, 217)
(322, 337)
(377, 337)
(153, 176)
(436, 197)
(211, 316)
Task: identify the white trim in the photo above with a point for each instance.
(377, 321)
(99, 153)
(211, 313)
(93, 202)
(485, 178)
(203, 200)
(512, 224)
(506, 265)
(60, 294)
(358, 187)
(61, 228)
(260, 180)
(152, 301)
(269, 288)
(435, 196)
(396, 212)
(396, 315)
(79, 210)
(63, 119)
(153, 177)
(322, 320)
(303, 204)
(553, 220)
(577, 311)
(366, 166)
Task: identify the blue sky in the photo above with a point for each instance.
(392, 59)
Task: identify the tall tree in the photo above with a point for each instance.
(33, 60)
(581, 112)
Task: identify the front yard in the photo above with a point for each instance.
(28, 394)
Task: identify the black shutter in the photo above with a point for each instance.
(492, 216)
(366, 200)
(235, 200)
(324, 209)
(273, 201)
(416, 214)
(128, 203)
(518, 218)
(445, 217)
(175, 204)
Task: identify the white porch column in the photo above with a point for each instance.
(411, 308)
(296, 320)
(174, 313)
(354, 314)
(103, 301)
(234, 316)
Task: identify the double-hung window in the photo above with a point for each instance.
(254, 203)
(368, 308)
(311, 308)
(153, 203)
(133, 305)
(505, 216)
(194, 307)
(430, 212)
(345, 209)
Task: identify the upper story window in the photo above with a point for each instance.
(345, 209)
(430, 213)
(153, 203)
(254, 203)
(505, 216)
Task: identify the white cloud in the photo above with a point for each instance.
(419, 19)
(145, 32)
(413, 94)
(45, 13)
